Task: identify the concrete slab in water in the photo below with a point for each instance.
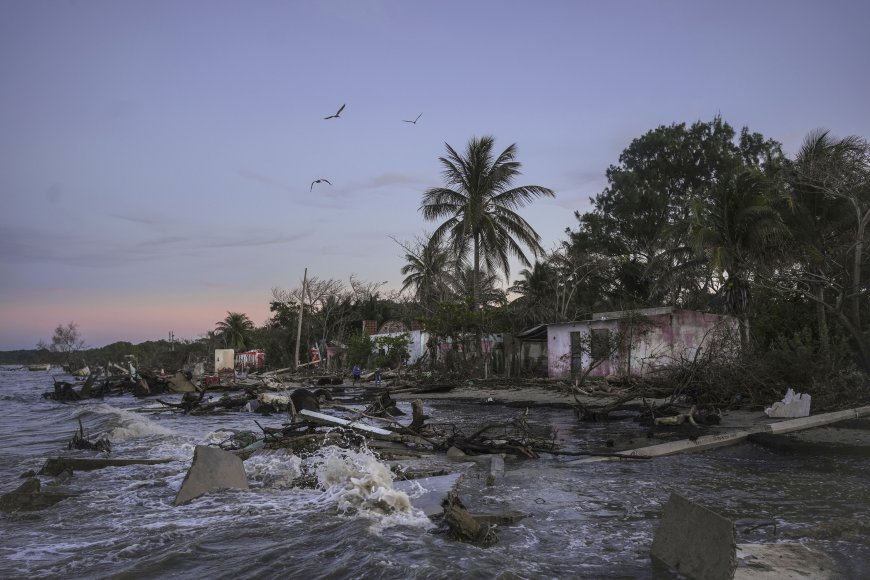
(436, 488)
(211, 469)
(695, 541)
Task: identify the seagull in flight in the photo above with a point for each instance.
(415, 120)
(318, 181)
(336, 116)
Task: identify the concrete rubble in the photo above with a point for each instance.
(29, 497)
(211, 469)
(695, 541)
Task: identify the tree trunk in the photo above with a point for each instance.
(856, 269)
(475, 292)
(860, 341)
(822, 324)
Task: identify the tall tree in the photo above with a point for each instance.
(736, 227)
(235, 330)
(67, 340)
(830, 213)
(639, 218)
(425, 272)
(481, 206)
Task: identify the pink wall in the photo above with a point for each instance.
(672, 335)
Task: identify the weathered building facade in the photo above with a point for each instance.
(628, 343)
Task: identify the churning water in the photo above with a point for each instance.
(584, 520)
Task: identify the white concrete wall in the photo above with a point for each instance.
(224, 358)
(417, 346)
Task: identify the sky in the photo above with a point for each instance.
(156, 156)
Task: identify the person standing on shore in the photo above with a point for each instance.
(378, 377)
(356, 374)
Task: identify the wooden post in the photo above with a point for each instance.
(301, 309)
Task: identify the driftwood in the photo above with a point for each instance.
(678, 419)
(80, 441)
(419, 418)
(314, 441)
(462, 524)
(383, 405)
(600, 413)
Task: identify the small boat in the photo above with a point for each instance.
(39, 367)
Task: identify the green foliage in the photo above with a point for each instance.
(285, 315)
(452, 319)
(235, 330)
(359, 349)
(425, 271)
(392, 350)
(480, 205)
(639, 222)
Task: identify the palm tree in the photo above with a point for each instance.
(425, 272)
(463, 279)
(735, 227)
(830, 214)
(480, 206)
(235, 330)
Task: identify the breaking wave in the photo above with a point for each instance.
(121, 425)
(357, 483)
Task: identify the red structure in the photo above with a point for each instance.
(250, 359)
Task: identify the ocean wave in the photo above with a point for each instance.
(121, 425)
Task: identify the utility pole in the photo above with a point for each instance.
(171, 341)
(301, 309)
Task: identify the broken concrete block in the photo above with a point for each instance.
(695, 541)
(29, 496)
(496, 469)
(435, 490)
(211, 469)
(180, 384)
(792, 405)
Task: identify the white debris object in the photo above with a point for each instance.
(792, 405)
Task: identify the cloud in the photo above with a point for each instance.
(141, 219)
(390, 179)
(32, 246)
(267, 180)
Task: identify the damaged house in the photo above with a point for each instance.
(627, 343)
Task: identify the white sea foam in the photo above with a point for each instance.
(274, 470)
(356, 482)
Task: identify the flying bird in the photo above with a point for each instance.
(415, 120)
(318, 181)
(336, 115)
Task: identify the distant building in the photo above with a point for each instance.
(625, 343)
(252, 359)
